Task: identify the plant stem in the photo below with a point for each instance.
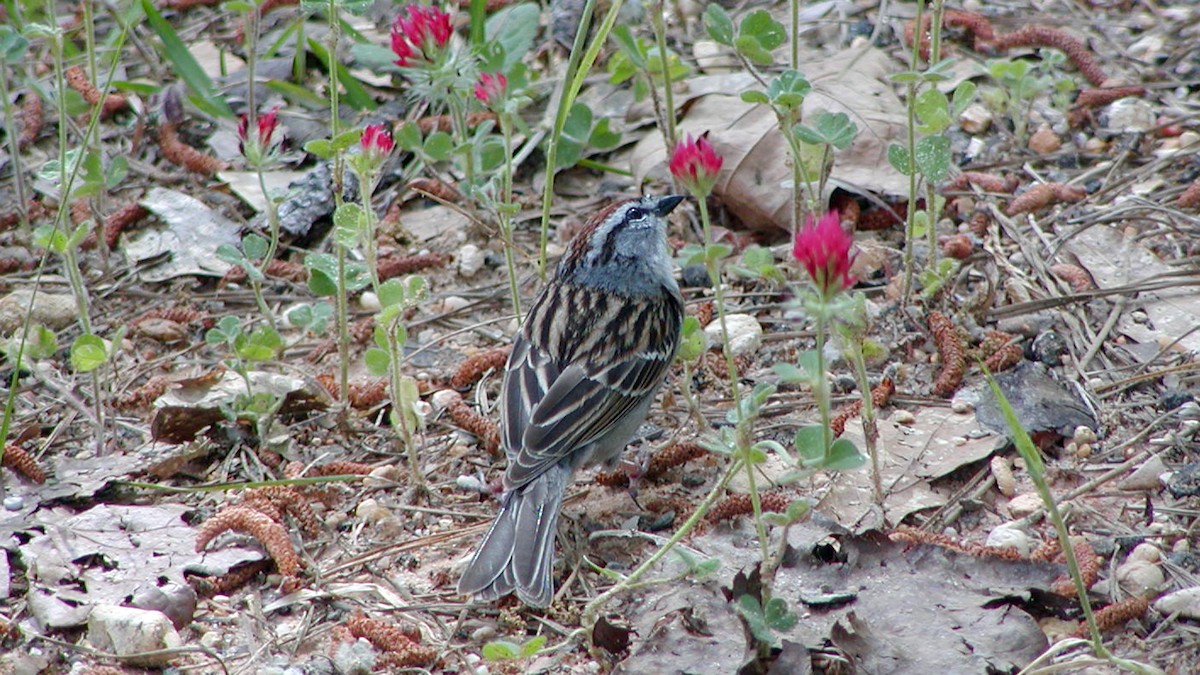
(743, 440)
(658, 21)
(505, 215)
(867, 413)
(821, 382)
(910, 223)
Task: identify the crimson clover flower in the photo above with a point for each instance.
(695, 164)
(419, 33)
(257, 145)
(490, 88)
(823, 247)
(377, 140)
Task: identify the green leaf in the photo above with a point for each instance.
(751, 610)
(905, 77)
(514, 28)
(501, 650)
(899, 158)
(834, 129)
(255, 246)
(778, 617)
(51, 238)
(788, 89)
(183, 63)
(392, 293)
(810, 444)
(346, 140)
(933, 110)
(964, 93)
(532, 645)
(933, 157)
(789, 374)
(378, 361)
(408, 137)
(719, 24)
(88, 353)
(767, 33)
(228, 253)
(691, 341)
(321, 284)
(320, 147)
(754, 96)
(632, 48)
(603, 138)
(12, 45)
(843, 456)
(439, 145)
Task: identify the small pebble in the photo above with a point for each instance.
(1006, 482)
(975, 119)
(961, 407)
(1146, 552)
(1008, 535)
(1186, 603)
(1140, 577)
(383, 476)
(1024, 504)
(14, 503)
(1148, 476)
(745, 333)
(1084, 434)
(903, 417)
(470, 484)
(369, 301)
(470, 260)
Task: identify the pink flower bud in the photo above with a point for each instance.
(695, 164)
(824, 249)
(377, 141)
(419, 33)
(490, 88)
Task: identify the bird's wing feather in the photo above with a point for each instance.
(552, 409)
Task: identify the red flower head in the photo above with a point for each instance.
(695, 165)
(419, 33)
(490, 88)
(377, 143)
(824, 250)
(257, 145)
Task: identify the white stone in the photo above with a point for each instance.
(1146, 552)
(1140, 577)
(1008, 535)
(1186, 603)
(902, 417)
(1024, 504)
(125, 631)
(1145, 477)
(745, 333)
(383, 476)
(369, 301)
(470, 260)
(975, 119)
(1130, 115)
(442, 399)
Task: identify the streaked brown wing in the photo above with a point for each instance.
(550, 412)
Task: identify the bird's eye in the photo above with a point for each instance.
(636, 213)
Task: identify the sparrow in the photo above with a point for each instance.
(585, 367)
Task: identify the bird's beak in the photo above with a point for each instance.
(667, 204)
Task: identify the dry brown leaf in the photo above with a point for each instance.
(757, 164)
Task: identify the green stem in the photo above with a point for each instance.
(743, 441)
(658, 20)
(343, 327)
(578, 67)
(821, 382)
(505, 215)
(910, 223)
(867, 413)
